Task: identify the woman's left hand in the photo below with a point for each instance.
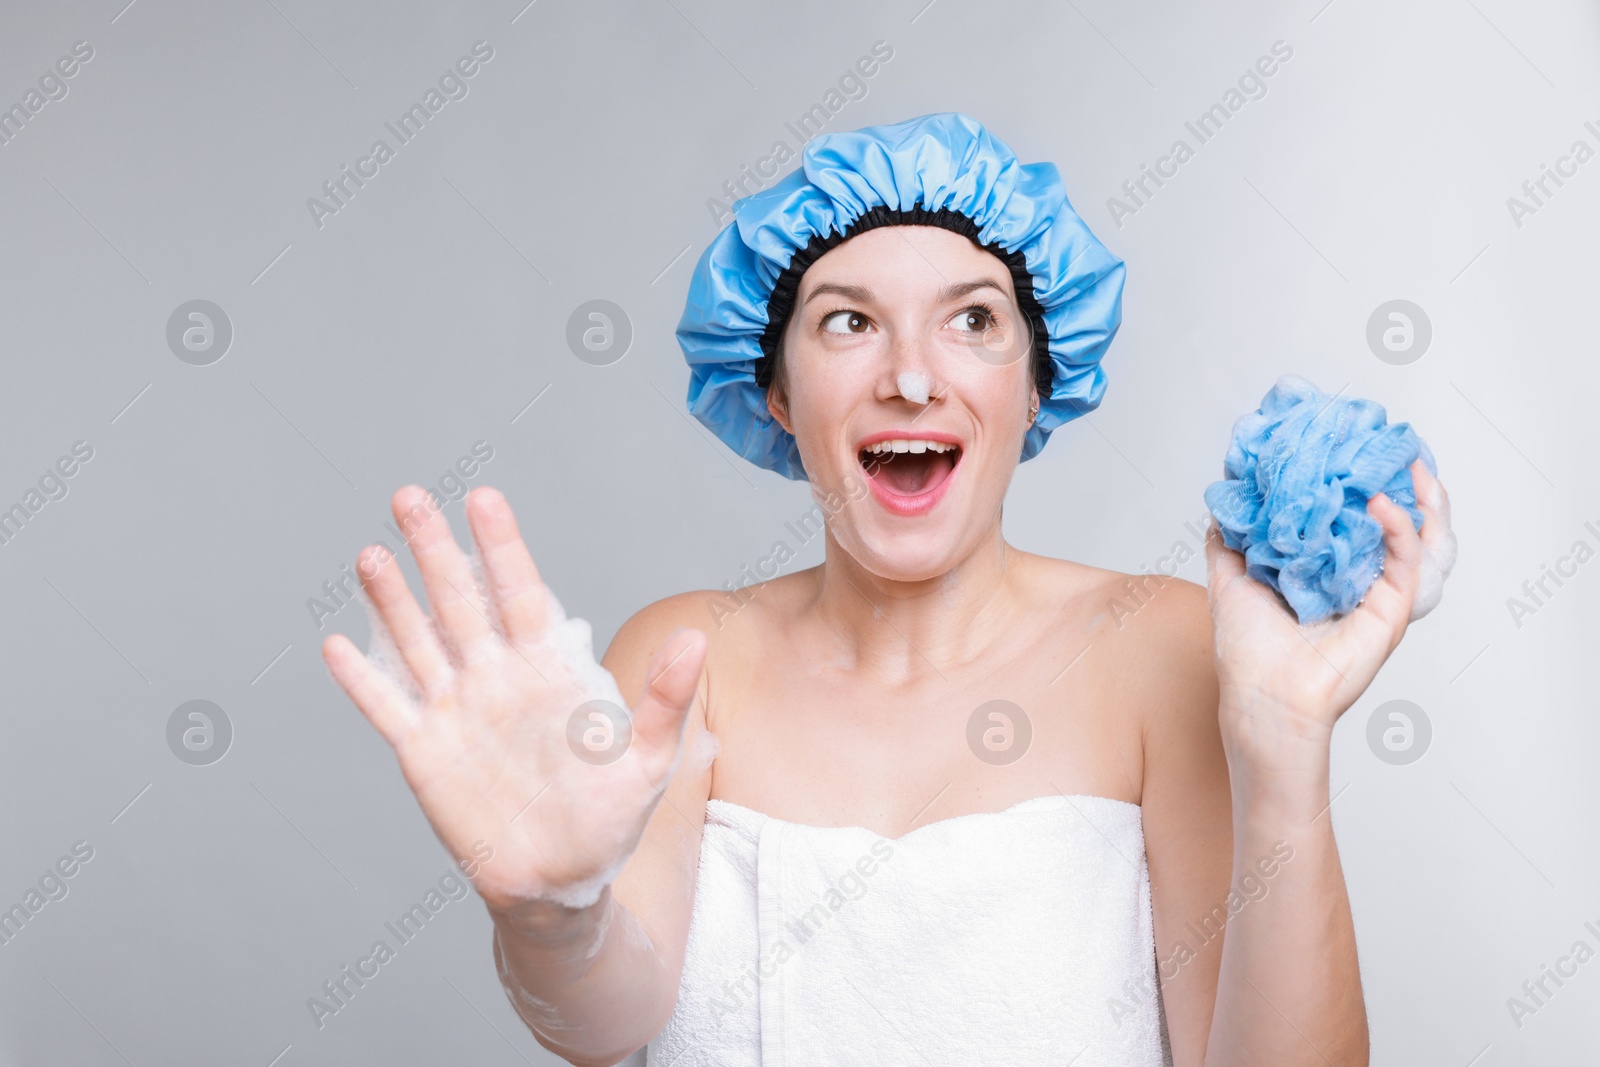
(1283, 685)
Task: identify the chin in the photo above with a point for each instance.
(894, 560)
(904, 550)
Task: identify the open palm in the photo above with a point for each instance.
(481, 715)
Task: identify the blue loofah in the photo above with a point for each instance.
(1300, 471)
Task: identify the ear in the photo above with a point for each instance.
(778, 407)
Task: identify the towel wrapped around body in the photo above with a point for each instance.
(1021, 937)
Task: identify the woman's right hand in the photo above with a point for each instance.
(484, 744)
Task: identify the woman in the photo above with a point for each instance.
(936, 799)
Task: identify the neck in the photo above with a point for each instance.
(908, 630)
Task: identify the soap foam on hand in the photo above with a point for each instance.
(1298, 475)
(567, 646)
(569, 641)
(1438, 561)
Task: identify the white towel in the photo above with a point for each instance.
(1022, 937)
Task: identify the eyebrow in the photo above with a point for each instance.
(953, 291)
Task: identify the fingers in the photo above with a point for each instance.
(514, 584)
(1391, 595)
(1432, 500)
(669, 687)
(1223, 564)
(1225, 567)
(378, 698)
(1438, 538)
(413, 634)
(446, 573)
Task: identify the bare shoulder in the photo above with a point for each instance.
(1150, 633)
(735, 621)
(646, 628)
(628, 655)
(1167, 624)
(1150, 607)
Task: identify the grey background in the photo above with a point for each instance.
(431, 310)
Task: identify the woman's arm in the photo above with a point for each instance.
(1185, 805)
(1261, 968)
(596, 984)
(543, 799)
(1289, 988)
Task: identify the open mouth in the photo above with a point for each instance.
(909, 471)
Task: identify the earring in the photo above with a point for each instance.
(1033, 413)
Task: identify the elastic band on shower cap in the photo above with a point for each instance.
(935, 170)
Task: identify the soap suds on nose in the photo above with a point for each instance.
(913, 386)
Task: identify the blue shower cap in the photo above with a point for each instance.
(941, 170)
(1299, 473)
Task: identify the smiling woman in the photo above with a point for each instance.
(916, 310)
(847, 350)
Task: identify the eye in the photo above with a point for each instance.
(844, 321)
(975, 319)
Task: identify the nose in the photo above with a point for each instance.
(910, 368)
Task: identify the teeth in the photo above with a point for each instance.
(901, 444)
